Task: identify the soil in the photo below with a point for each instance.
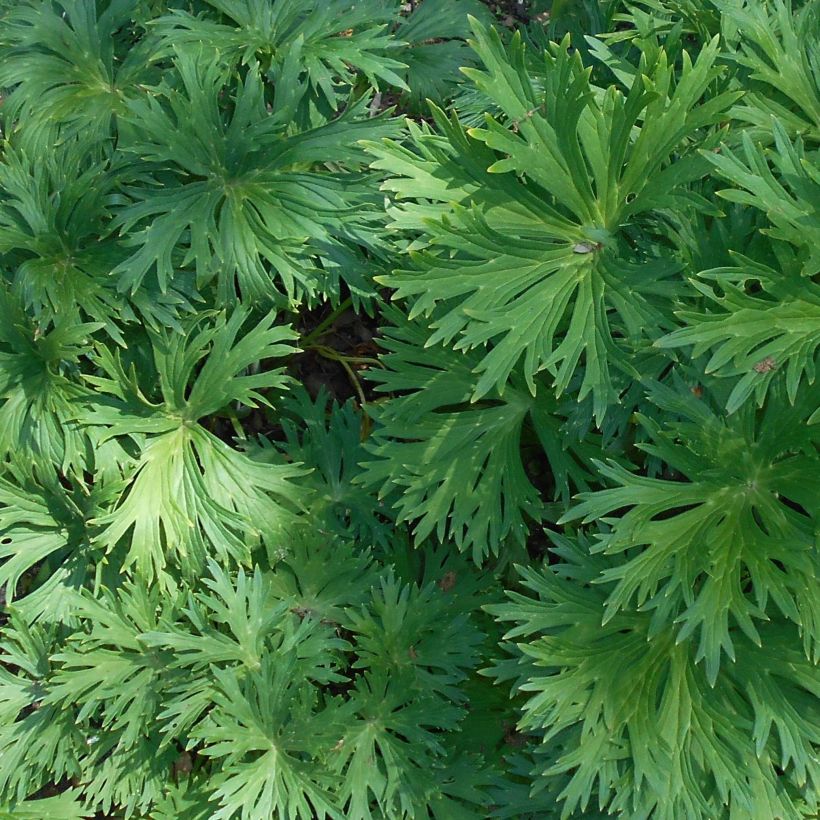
(351, 336)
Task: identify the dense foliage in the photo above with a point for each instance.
(406, 412)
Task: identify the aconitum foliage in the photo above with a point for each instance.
(407, 412)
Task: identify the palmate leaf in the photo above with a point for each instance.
(461, 789)
(778, 44)
(457, 466)
(415, 647)
(53, 211)
(459, 473)
(238, 620)
(557, 284)
(432, 69)
(235, 669)
(40, 387)
(756, 338)
(239, 200)
(664, 20)
(187, 797)
(260, 729)
(769, 319)
(435, 31)
(132, 676)
(389, 750)
(515, 797)
(43, 526)
(327, 437)
(639, 728)
(64, 63)
(729, 541)
(39, 744)
(188, 491)
(187, 654)
(331, 40)
(148, 644)
(133, 778)
(113, 685)
(311, 586)
(386, 718)
(438, 172)
(67, 805)
(378, 738)
(400, 630)
(790, 198)
(55, 241)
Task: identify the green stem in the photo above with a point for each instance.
(334, 355)
(317, 331)
(344, 361)
(357, 386)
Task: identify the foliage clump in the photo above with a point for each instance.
(455, 465)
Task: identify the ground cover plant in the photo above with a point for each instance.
(409, 410)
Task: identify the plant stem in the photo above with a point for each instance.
(317, 331)
(345, 361)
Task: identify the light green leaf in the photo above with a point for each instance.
(757, 339)
(66, 806)
(724, 544)
(550, 281)
(778, 43)
(188, 492)
(260, 729)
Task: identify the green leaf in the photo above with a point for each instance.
(188, 491)
(435, 31)
(415, 648)
(401, 631)
(387, 752)
(39, 744)
(777, 43)
(65, 806)
(333, 39)
(327, 438)
(757, 339)
(457, 465)
(107, 676)
(237, 619)
(629, 721)
(53, 216)
(46, 550)
(240, 199)
(40, 388)
(731, 538)
(134, 777)
(791, 200)
(260, 730)
(66, 65)
(187, 797)
(552, 281)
